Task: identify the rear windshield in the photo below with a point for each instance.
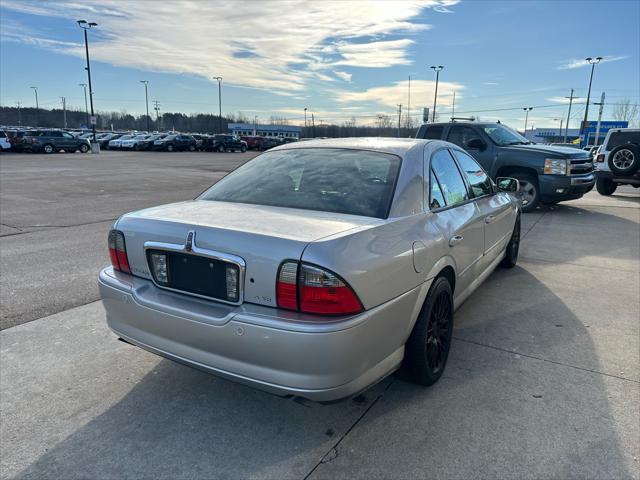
(620, 138)
(355, 182)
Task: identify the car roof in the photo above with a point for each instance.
(396, 146)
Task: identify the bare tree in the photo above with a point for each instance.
(385, 121)
(625, 111)
(275, 120)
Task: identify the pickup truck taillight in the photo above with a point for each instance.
(600, 158)
(311, 289)
(118, 251)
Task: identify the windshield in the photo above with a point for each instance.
(355, 182)
(504, 135)
(169, 137)
(125, 137)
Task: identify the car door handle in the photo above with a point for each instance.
(489, 219)
(453, 241)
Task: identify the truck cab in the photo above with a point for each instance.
(547, 174)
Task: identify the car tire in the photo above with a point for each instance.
(170, 148)
(624, 159)
(513, 247)
(606, 186)
(192, 148)
(243, 148)
(221, 148)
(48, 148)
(84, 148)
(428, 346)
(529, 193)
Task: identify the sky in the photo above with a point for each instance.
(337, 59)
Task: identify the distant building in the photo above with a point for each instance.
(554, 135)
(248, 129)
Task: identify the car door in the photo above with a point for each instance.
(69, 142)
(495, 208)
(467, 137)
(456, 215)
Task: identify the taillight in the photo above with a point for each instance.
(600, 158)
(118, 251)
(311, 289)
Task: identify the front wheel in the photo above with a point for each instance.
(243, 148)
(169, 148)
(84, 148)
(529, 193)
(221, 148)
(606, 186)
(428, 346)
(192, 148)
(513, 247)
(48, 148)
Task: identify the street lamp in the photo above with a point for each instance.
(526, 118)
(35, 90)
(84, 25)
(559, 131)
(255, 125)
(219, 79)
(305, 117)
(437, 69)
(146, 99)
(593, 62)
(86, 107)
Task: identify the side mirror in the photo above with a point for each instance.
(476, 144)
(507, 184)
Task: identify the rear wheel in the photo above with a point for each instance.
(243, 148)
(529, 193)
(84, 148)
(48, 148)
(606, 186)
(428, 346)
(221, 148)
(192, 148)
(169, 148)
(513, 247)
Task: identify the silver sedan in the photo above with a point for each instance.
(316, 268)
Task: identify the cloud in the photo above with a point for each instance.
(566, 99)
(276, 47)
(490, 83)
(342, 75)
(422, 92)
(581, 62)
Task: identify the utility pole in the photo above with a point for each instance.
(566, 127)
(305, 117)
(409, 105)
(453, 110)
(84, 25)
(146, 99)
(526, 118)
(35, 90)
(399, 116)
(64, 111)
(219, 79)
(157, 109)
(19, 114)
(86, 107)
(437, 69)
(593, 62)
(313, 125)
(255, 125)
(595, 142)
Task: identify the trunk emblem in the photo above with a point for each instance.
(191, 240)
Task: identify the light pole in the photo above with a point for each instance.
(84, 25)
(305, 117)
(526, 118)
(255, 125)
(86, 106)
(559, 131)
(219, 79)
(437, 69)
(35, 90)
(19, 104)
(146, 99)
(593, 62)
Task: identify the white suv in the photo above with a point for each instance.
(618, 160)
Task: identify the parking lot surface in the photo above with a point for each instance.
(543, 379)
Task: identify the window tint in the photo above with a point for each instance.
(436, 199)
(355, 182)
(620, 138)
(461, 135)
(476, 177)
(448, 175)
(67, 135)
(434, 132)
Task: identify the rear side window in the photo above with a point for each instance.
(460, 135)
(620, 138)
(434, 132)
(354, 182)
(476, 176)
(448, 176)
(436, 199)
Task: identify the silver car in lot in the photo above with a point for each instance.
(316, 268)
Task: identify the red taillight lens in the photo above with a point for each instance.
(118, 251)
(600, 158)
(311, 289)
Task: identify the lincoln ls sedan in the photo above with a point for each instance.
(317, 268)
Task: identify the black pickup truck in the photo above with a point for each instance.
(547, 174)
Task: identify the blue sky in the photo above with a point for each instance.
(337, 59)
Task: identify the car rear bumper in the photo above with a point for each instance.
(270, 349)
(557, 188)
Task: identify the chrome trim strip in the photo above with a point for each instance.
(199, 252)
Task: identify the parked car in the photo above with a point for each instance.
(50, 141)
(256, 142)
(224, 143)
(135, 142)
(104, 139)
(200, 140)
(316, 268)
(147, 143)
(16, 140)
(116, 143)
(618, 160)
(175, 142)
(547, 174)
(4, 143)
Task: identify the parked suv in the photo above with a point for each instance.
(175, 142)
(222, 143)
(4, 143)
(49, 141)
(16, 140)
(618, 160)
(547, 174)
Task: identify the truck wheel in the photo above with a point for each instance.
(221, 148)
(606, 186)
(624, 159)
(84, 148)
(428, 346)
(48, 148)
(529, 193)
(243, 148)
(513, 247)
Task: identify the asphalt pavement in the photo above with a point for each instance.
(543, 379)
